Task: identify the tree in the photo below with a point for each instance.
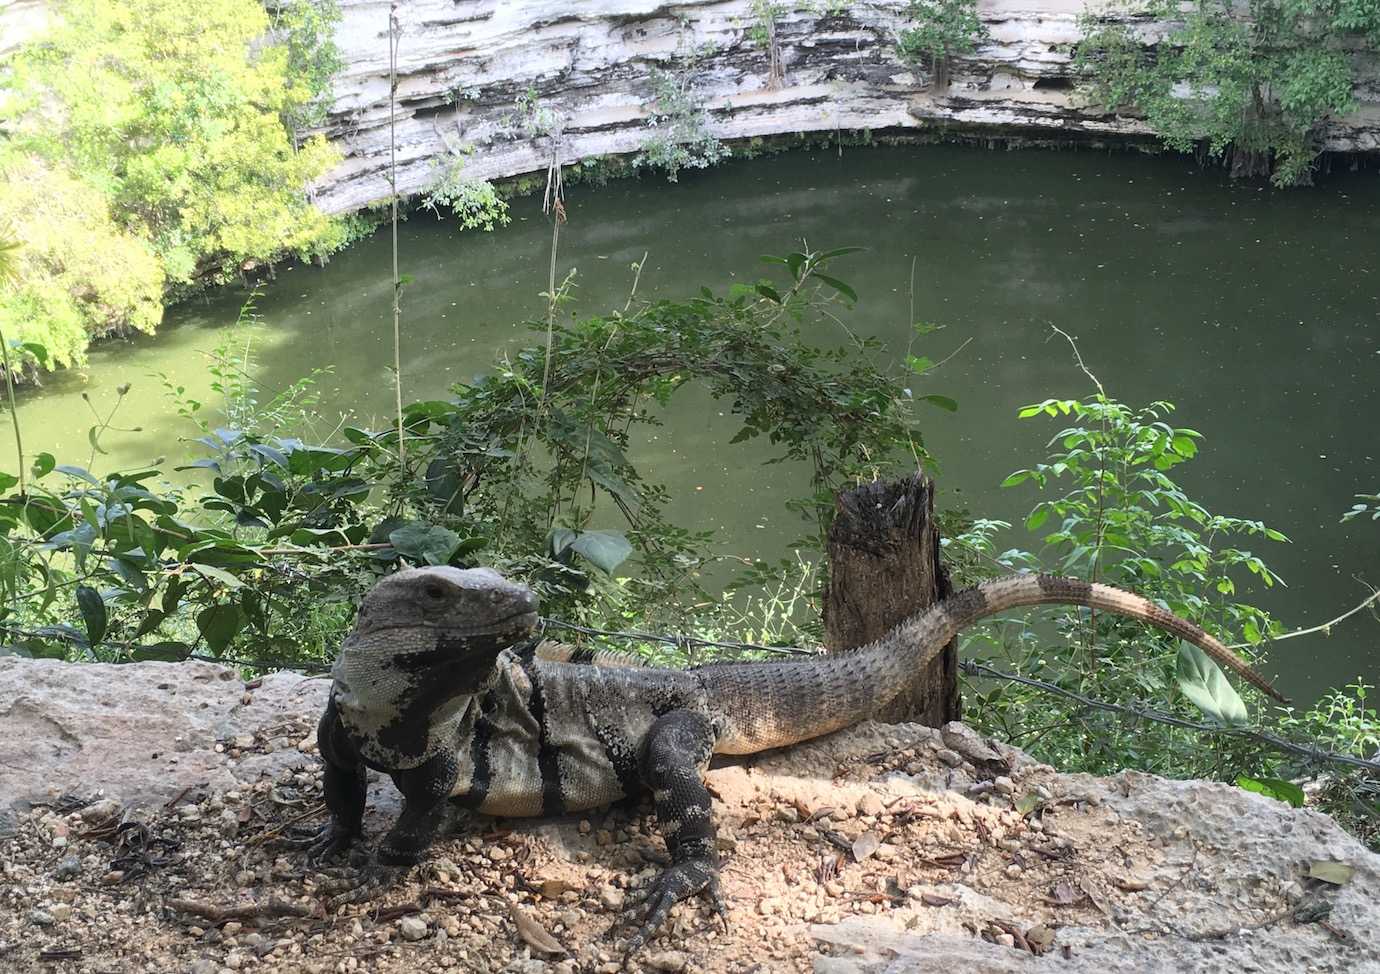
(944, 29)
(163, 123)
(1252, 84)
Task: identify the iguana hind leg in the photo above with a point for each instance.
(674, 756)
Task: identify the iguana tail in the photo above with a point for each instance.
(765, 705)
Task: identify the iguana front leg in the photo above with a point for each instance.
(674, 756)
(426, 794)
(344, 785)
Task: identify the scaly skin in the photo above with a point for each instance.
(441, 686)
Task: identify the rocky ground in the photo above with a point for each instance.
(884, 848)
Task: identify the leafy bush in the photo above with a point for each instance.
(527, 473)
(475, 203)
(1252, 86)
(153, 131)
(1112, 512)
(681, 136)
(942, 31)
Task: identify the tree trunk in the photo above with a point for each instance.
(884, 566)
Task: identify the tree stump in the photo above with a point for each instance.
(884, 566)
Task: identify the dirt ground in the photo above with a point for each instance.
(885, 822)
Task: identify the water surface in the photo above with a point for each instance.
(1254, 311)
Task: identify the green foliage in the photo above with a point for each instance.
(942, 31)
(475, 203)
(1111, 511)
(306, 29)
(77, 273)
(147, 152)
(681, 137)
(539, 483)
(1251, 85)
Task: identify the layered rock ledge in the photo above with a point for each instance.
(141, 799)
(462, 65)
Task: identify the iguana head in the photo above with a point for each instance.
(424, 645)
(475, 604)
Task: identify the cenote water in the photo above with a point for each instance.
(1254, 311)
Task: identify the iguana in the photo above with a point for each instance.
(440, 686)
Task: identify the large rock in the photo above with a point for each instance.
(1133, 873)
(143, 732)
(462, 64)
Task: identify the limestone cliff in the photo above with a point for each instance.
(463, 63)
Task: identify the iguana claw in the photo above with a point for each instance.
(331, 839)
(676, 883)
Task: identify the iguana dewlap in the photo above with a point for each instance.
(439, 685)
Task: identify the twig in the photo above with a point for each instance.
(14, 411)
(393, 183)
(973, 668)
(1323, 627)
(275, 907)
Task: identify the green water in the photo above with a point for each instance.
(1254, 311)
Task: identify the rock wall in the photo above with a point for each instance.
(463, 63)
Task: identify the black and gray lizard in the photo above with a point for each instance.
(440, 685)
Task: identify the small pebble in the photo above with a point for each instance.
(412, 928)
(667, 960)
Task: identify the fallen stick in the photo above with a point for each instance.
(275, 907)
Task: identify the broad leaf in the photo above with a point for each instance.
(604, 549)
(165, 652)
(1276, 788)
(218, 624)
(428, 543)
(1203, 683)
(92, 613)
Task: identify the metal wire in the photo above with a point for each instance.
(969, 667)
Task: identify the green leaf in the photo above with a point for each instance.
(220, 575)
(919, 364)
(81, 473)
(165, 652)
(43, 465)
(769, 292)
(943, 402)
(604, 549)
(839, 286)
(218, 625)
(838, 252)
(92, 613)
(427, 543)
(1037, 517)
(38, 351)
(7, 481)
(93, 436)
(1276, 788)
(1019, 477)
(1203, 683)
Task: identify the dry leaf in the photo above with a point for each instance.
(1331, 871)
(1063, 894)
(1040, 938)
(1132, 885)
(866, 844)
(934, 899)
(822, 812)
(533, 932)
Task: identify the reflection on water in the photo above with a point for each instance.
(1254, 311)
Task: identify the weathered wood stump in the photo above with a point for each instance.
(884, 566)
